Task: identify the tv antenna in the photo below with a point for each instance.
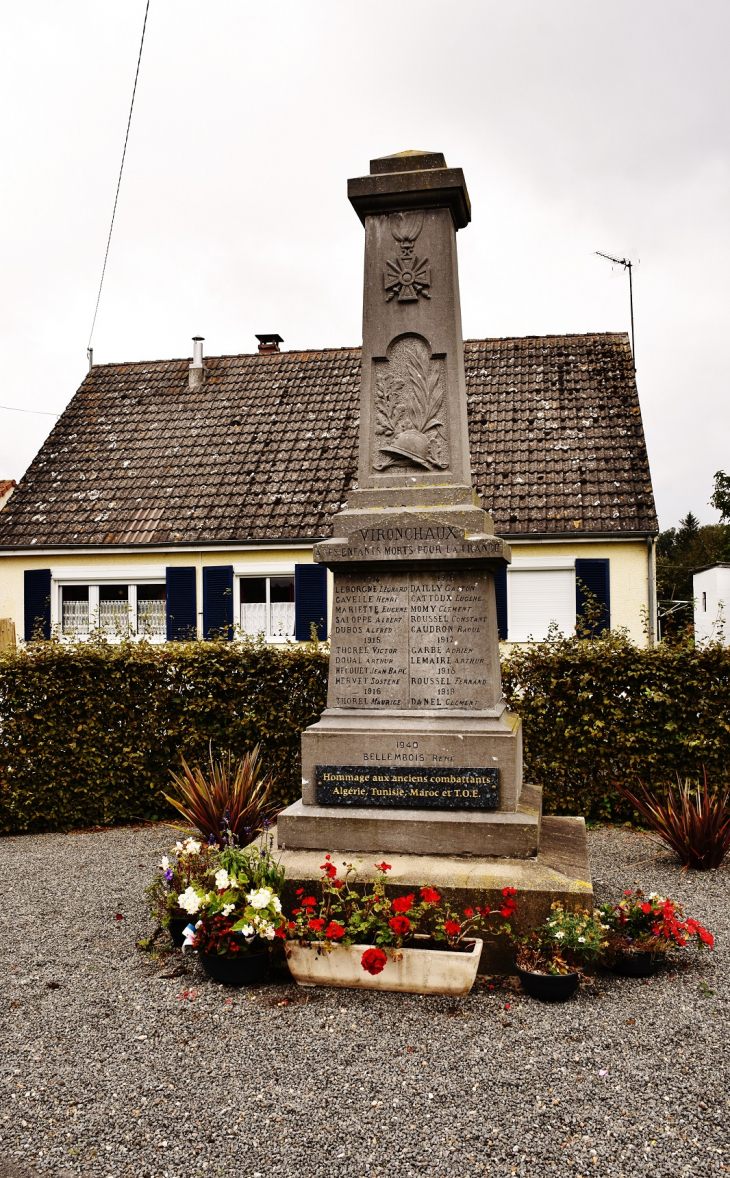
(627, 265)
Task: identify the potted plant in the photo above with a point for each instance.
(234, 929)
(643, 929)
(367, 940)
(234, 916)
(189, 862)
(551, 958)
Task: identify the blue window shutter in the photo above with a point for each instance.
(310, 595)
(37, 603)
(182, 603)
(592, 576)
(218, 601)
(500, 589)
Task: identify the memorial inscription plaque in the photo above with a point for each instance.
(407, 788)
(411, 641)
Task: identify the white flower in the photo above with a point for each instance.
(164, 862)
(179, 846)
(260, 899)
(248, 931)
(559, 935)
(222, 880)
(268, 931)
(189, 901)
(228, 909)
(191, 847)
(276, 904)
(654, 896)
(581, 939)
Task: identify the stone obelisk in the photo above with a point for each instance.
(416, 751)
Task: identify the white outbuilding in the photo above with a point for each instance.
(711, 591)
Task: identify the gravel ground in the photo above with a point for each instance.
(115, 1066)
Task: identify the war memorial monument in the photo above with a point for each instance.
(417, 756)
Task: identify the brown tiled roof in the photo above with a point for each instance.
(267, 448)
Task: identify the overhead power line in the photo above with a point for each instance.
(42, 412)
(119, 180)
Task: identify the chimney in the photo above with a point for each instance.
(269, 343)
(196, 374)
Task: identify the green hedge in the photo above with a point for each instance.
(88, 732)
(599, 711)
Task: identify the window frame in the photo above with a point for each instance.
(93, 578)
(258, 570)
(537, 564)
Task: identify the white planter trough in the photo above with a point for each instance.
(410, 971)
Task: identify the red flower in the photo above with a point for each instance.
(468, 912)
(295, 911)
(485, 910)
(292, 924)
(507, 909)
(373, 961)
(382, 867)
(403, 903)
(334, 931)
(119, 916)
(509, 891)
(430, 896)
(645, 908)
(452, 928)
(400, 925)
(337, 883)
(281, 931)
(627, 893)
(309, 901)
(329, 868)
(317, 924)
(300, 891)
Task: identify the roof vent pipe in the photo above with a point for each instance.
(196, 374)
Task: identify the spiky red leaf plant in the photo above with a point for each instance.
(231, 797)
(693, 822)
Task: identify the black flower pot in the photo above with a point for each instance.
(639, 964)
(177, 927)
(244, 970)
(549, 987)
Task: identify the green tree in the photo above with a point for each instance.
(681, 552)
(721, 495)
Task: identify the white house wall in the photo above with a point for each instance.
(711, 592)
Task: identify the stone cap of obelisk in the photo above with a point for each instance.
(411, 180)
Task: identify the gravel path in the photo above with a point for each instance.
(112, 1067)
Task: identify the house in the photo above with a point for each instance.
(7, 486)
(711, 592)
(176, 498)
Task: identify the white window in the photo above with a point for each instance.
(540, 593)
(267, 607)
(118, 610)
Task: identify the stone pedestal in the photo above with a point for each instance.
(416, 753)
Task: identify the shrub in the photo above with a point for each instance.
(231, 803)
(697, 828)
(90, 731)
(599, 711)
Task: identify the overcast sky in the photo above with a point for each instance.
(579, 126)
